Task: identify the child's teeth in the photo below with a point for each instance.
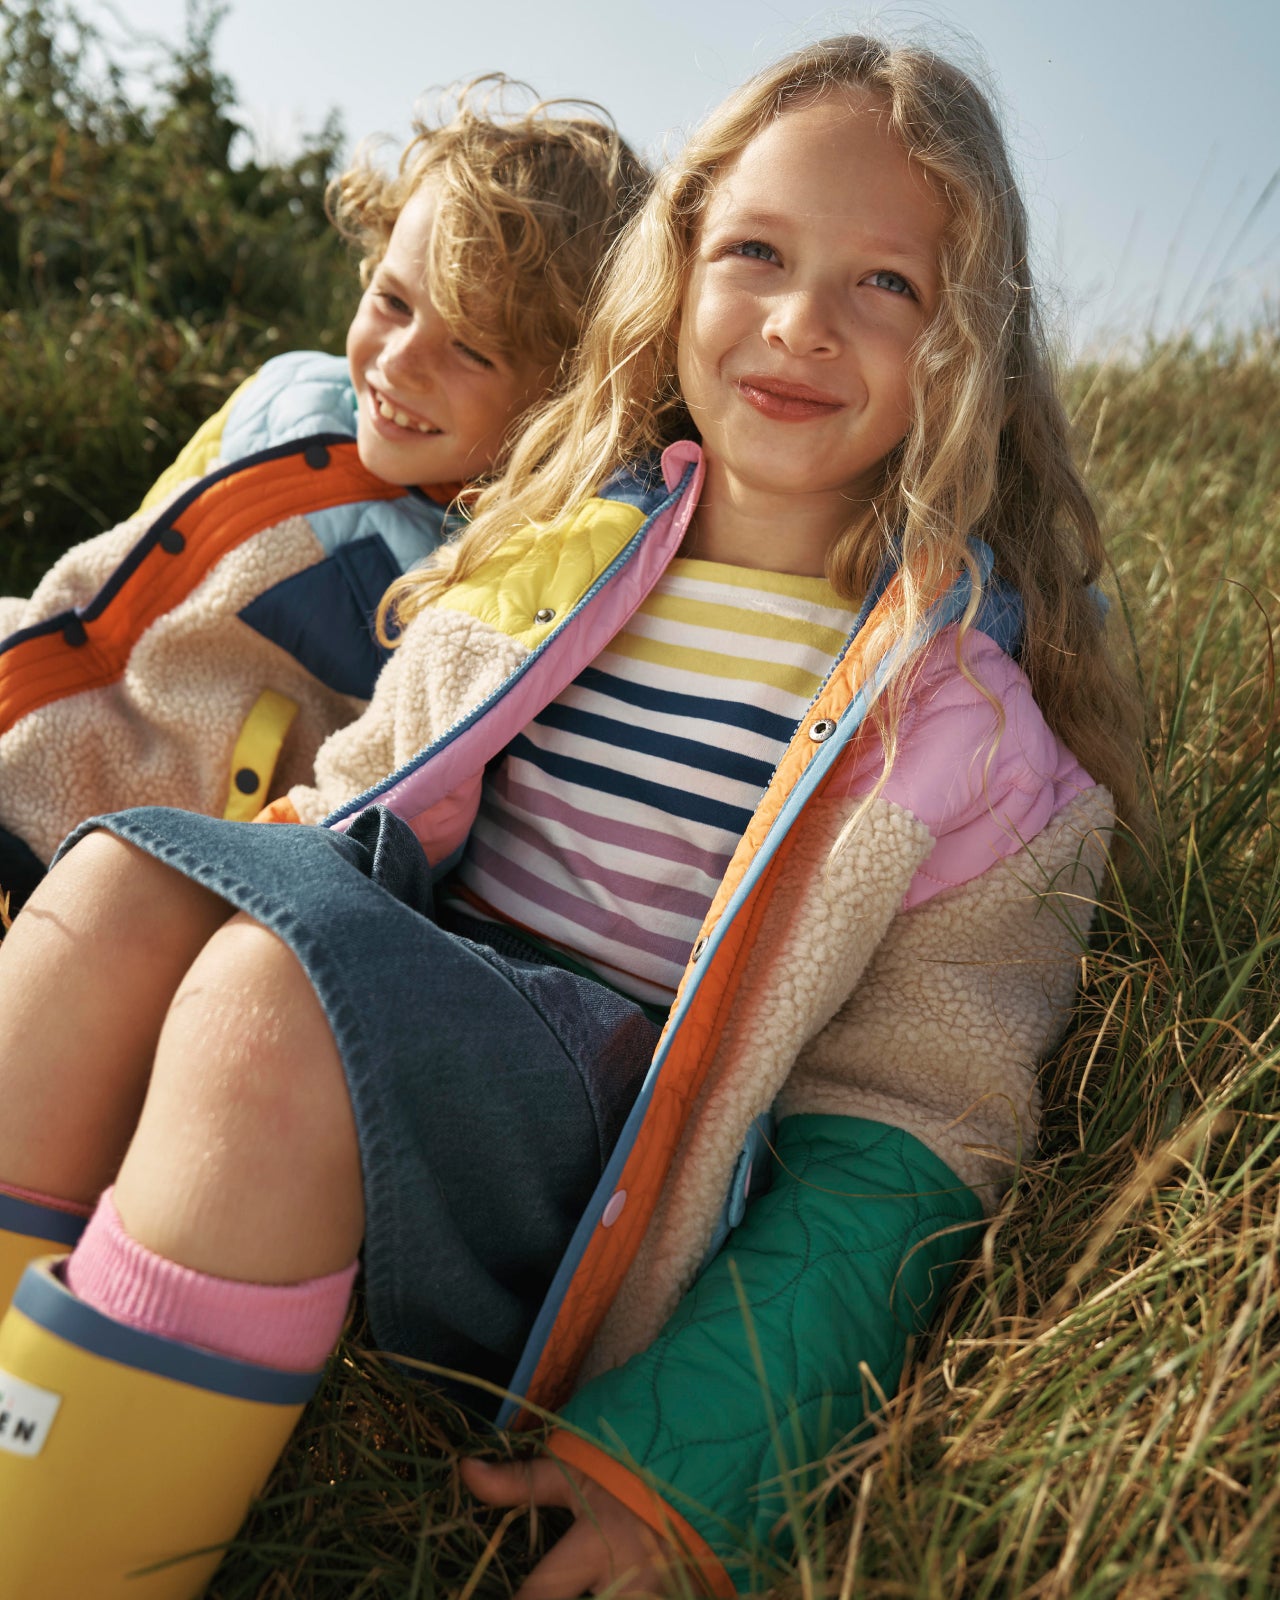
(400, 418)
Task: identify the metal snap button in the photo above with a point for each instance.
(545, 614)
(821, 730)
(699, 945)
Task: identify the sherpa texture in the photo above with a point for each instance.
(163, 733)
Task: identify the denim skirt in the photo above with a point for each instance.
(489, 1084)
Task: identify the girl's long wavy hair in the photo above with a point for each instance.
(528, 201)
(988, 452)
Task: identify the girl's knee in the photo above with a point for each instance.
(246, 1161)
(247, 1011)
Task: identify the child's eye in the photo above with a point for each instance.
(894, 282)
(754, 250)
(473, 356)
(393, 302)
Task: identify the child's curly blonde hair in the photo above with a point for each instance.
(527, 204)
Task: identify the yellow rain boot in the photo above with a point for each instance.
(122, 1453)
(28, 1230)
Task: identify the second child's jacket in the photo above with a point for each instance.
(882, 967)
(198, 654)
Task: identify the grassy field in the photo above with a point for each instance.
(1098, 1413)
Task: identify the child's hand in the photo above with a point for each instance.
(606, 1542)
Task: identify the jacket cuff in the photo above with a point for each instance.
(634, 1493)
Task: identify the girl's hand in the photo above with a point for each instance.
(607, 1541)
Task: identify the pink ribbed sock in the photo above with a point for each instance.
(50, 1202)
(292, 1326)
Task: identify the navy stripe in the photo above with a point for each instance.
(737, 713)
(39, 1222)
(53, 1307)
(654, 742)
(675, 802)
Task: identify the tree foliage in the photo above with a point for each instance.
(144, 268)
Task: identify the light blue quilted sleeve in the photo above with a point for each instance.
(758, 1372)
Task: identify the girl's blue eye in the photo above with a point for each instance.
(755, 250)
(894, 282)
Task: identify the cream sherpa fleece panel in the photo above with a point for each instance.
(163, 734)
(446, 663)
(823, 924)
(964, 996)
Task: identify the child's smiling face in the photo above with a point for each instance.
(816, 269)
(431, 409)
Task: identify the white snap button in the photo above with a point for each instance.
(613, 1210)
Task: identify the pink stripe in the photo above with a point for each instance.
(291, 1327)
(50, 1202)
(645, 893)
(581, 913)
(672, 847)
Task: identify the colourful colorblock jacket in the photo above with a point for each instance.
(885, 995)
(198, 654)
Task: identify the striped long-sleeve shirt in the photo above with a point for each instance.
(610, 820)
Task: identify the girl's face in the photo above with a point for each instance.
(432, 410)
(815, 271)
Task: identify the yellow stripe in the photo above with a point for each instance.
(779, 675)
(743, 619)
(256, 752)
(813, 591)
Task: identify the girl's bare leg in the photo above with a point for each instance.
(245, 1162)
(87, 973)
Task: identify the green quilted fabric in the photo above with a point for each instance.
(839, 1263)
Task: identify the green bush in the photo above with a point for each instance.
(144, 270)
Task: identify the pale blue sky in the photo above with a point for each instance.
(1146, 131)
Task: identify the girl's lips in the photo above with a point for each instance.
(394, 421)
(787, 402)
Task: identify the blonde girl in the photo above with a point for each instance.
(727, 776)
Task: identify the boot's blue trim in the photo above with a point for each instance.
(48, 1302)
(39, 1222)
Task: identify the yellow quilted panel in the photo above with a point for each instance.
(540, 574)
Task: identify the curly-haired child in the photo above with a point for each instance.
(198, 654)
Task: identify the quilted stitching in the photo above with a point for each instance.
(839, 1263)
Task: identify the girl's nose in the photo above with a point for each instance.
(413, 351)
(802, 322)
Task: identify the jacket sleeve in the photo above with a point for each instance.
(445, 664)
(781, 1347)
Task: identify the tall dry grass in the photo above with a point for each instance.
(1098, 1412)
